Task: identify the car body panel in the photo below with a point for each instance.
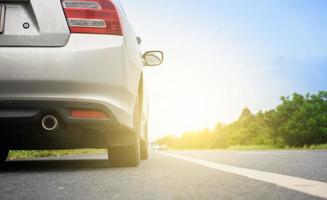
(80, 69)
(95, 70)
(34, 23)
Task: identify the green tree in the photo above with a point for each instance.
(298, 121)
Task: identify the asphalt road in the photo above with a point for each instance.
(162, 176)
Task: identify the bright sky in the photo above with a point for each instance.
(224, 55)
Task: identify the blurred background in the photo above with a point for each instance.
(224, 56)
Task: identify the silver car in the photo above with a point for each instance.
(71, 76)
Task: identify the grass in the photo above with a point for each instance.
(270, 147)
(318, 147)
(52, 153)
(253, 147)
(56, 153)
(262, 147)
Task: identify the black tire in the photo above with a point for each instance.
(145, 145)
(128, 156)
(144, 150)
(3, 155)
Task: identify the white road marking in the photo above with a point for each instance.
(259, 152)
(310, 187)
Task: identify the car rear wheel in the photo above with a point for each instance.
(3, 155)
(144, 150)
(128, 156)
(145, 145)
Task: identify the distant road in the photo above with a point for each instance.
(261, 175)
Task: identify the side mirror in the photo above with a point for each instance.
(153, 58)
(139, 40)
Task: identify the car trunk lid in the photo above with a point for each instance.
(33, 23)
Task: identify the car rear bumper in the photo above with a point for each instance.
(89, 72)
(90, 68)
(20, 123)
(22, 111)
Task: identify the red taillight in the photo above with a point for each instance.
(92, 16)
(83, 114)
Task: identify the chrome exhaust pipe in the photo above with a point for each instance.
(49, 123)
